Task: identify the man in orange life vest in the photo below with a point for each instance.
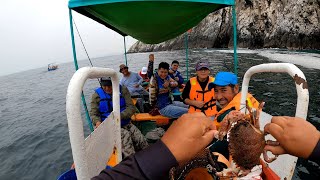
(226, 92)
(196, 93)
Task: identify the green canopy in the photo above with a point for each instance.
(147, 20)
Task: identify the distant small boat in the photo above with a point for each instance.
(52, 67)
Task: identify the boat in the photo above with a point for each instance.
(52, 66)
(151, 21)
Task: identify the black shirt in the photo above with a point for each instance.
(315, 155)
(153, 162)
(187, 88)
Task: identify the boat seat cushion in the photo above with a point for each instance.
(161, 120)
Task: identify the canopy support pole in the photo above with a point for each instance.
(234, 19)
(187, 59)
(76, 66)
(125, 49)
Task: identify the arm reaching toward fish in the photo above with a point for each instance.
(184, 139)
(188, 135)
(296, 136)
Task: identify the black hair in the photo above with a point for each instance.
(164, 65)
(175, 62)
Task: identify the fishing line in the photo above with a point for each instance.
(74, 22)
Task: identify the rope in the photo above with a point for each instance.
(84, 47)
(82, 42)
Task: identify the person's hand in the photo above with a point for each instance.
(166, 84)
(136, 85)
(151, 57)
(173, 84)
(170, 71)
(97, 124)
(198, 104)
(188, 135)
(176, 78)
(296, 136)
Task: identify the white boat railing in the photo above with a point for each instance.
(91, 154)
(293, 71)
(285, 164)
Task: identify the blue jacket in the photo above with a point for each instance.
(163, 99)
(177, 74)
(105, 105)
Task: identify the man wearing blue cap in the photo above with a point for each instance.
(227, 94)
(226, 91)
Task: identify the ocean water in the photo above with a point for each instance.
(34, 141)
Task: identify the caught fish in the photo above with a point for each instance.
(246, 141)
(152, 91)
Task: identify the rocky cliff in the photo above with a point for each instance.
(260, 24)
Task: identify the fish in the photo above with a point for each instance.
(152, 91)
(246, 141)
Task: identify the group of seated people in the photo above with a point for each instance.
(202, 96)
(205, 99)
(215, 97)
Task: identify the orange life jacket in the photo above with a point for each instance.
(235, 103)
(207, 96)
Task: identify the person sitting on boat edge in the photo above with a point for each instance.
(160, 93)
(196, 92)
(101, 107)
(143, 74)
(132, 81)
(226, 92)
(177, 146)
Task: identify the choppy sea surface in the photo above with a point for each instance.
(34, 141)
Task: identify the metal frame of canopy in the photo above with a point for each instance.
(108, 13)
(78, 5)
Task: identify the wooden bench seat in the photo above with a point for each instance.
(160, 120)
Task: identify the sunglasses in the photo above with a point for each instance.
(123, 68)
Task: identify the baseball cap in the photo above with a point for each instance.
(144, 70)
(106, 81)
(225, 78)
(202, 64)
(122, 66)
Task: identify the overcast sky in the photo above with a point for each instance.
(34, 33)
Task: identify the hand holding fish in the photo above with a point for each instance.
(184, 133)
(296, 136)
(166, 84)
